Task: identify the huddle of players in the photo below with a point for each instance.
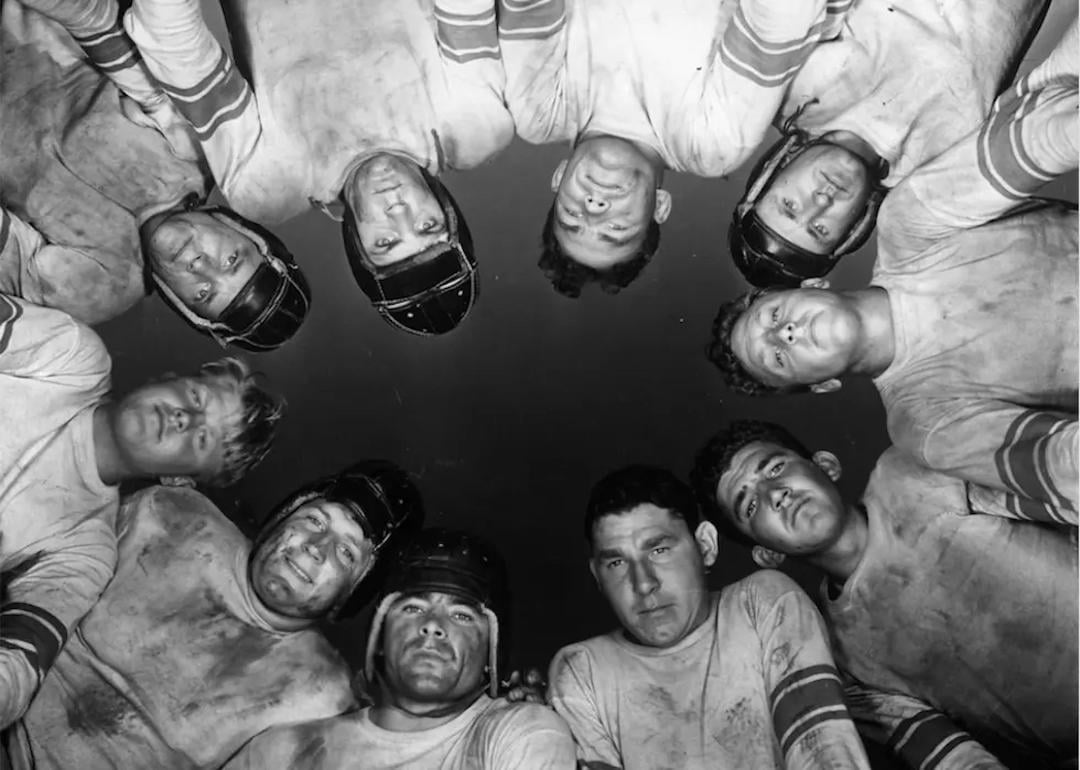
(100, 175)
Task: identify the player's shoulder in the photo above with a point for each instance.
(762, 585)
(514, 721)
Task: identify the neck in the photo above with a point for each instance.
(401, 714)
(876, 349)
(841, 558)
(110, 465)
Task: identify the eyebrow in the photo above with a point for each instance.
(741, 494)
(608, 553)
(657, 540)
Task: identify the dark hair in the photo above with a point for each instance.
(568, 276)
(634, 485)
(719, 351)
(714, 459)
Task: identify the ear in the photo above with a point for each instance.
(815, 283)
(592, 571)
(556, 178)
(708, 542)
(763, 557)
(829, 463)
(662, 209)
(828, 386)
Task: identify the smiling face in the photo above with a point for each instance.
(311, 561)
(397, 215)
(651, 569)
(797, 337)
(814, 200)
(176, 427)
(203, 260)
(435, 648)
(781, 500)
(605, 197)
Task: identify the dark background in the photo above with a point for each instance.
(508, 421)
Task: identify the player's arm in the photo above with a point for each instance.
(44, 596)
(533, 737)
(1030, 455)
(468, 40)
(572, 694)
(87, 278)
(532, 36)
(760, 50)
(919, 735)
(1029, 138)
(205, 86)
(812, 723)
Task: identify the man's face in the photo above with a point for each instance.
(652, 571)
(311, 560)
(797, 337)
(204, 261)
(435, 647)
(397, 214)
(605, 198)
(780, 500)
(816, 198)
(177, 427)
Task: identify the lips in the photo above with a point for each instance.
(295, 568)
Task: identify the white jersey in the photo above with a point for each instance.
(752, 687)
(74, 168)
(958, 606)
(983, 383)
(489, 735)
(178, 665)
(911, 77)
(321, 85)
(57, 547)
(697, 81)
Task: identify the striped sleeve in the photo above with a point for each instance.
(532, 36)
(204, 85)
(728, 113)
(1029, 138)
(811, 721)
(48, 344)
(34, 633)
(466, 30)
(95, 26)
(920, 736)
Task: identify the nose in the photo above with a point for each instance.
(644, 579)
(596, 204)
(186, 419)
(778, 496)
(432, 627)
(315, 548)
(788, 334)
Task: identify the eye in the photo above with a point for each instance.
(410, 609)
(316, 521)
(346, 555)
(661, 550)
(232, 259)
(789, 204)
(429, 225)
(570, 213)
(775, 470)
(613, 563)
(463, 617)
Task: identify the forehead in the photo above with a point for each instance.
(638, 523)
(338, 515)
(742, 468)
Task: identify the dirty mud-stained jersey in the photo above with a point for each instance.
(983, 383)
(77, 170)
(319, 85)
(911, 77)
(698, 81)
(57, 547)
(754, 686)
(489, 735)
(176, 667)
(965, 609)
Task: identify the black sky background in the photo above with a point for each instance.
(508, 421)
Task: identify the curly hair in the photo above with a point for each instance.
(713, 460)
(249, 439)
(634, 485)
(719, 351)
(568, 276)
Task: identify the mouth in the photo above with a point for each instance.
(837, 181)
(162, 421)
(793, 510)
(652, 611)
(387, 188)
(297, 571)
